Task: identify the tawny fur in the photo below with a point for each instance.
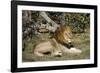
(54, 47)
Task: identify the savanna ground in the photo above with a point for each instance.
(81, 41)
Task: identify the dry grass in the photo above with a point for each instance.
(81, 41)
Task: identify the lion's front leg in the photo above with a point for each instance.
(71, 50)
(75, 50)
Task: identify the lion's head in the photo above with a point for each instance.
(63, 34)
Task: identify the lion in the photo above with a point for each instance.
(60, 43)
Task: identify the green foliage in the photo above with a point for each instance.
(79, 21)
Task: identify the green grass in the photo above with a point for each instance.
(81, 41)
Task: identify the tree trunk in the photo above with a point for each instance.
(49, 20)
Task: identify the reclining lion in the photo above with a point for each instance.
(59, 44)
